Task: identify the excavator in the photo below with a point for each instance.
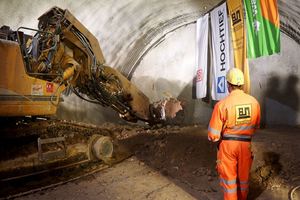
(38, 65)
(63, 55)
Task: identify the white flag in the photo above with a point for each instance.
(201, 56)
(220, 48)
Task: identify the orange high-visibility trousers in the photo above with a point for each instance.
(234, 161)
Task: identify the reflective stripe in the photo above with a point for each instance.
(228, 182)
(244, 182)
(214, 131)
(234, 190)
(237, 136)
(233, 181)
(241, 128)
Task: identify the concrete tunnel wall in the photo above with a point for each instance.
(153, 43)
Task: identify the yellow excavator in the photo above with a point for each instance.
(36, 66)
(62, 54)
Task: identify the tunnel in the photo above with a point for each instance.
(153, 44)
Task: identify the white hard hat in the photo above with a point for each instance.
(235, 77)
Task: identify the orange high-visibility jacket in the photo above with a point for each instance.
(237, 115)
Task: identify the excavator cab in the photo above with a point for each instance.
(21, 92)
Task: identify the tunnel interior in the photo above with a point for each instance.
(153, 44)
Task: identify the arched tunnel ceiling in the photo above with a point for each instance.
(289, 12)
(127, 30)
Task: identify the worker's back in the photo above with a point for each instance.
(238, 113)
(243, 113)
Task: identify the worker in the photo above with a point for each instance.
(233, 123)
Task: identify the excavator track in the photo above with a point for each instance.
(41, 154)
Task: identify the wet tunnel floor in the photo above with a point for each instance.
(179, 163)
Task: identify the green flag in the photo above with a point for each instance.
(263, 28)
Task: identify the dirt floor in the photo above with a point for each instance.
(175, 162)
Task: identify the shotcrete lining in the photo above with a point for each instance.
(129, 30)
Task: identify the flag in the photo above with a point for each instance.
(220, 50)
(201, 56)
(263, 27)
(238, 36)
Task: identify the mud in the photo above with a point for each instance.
(176, 162)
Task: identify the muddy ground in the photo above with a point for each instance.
(174, 162)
